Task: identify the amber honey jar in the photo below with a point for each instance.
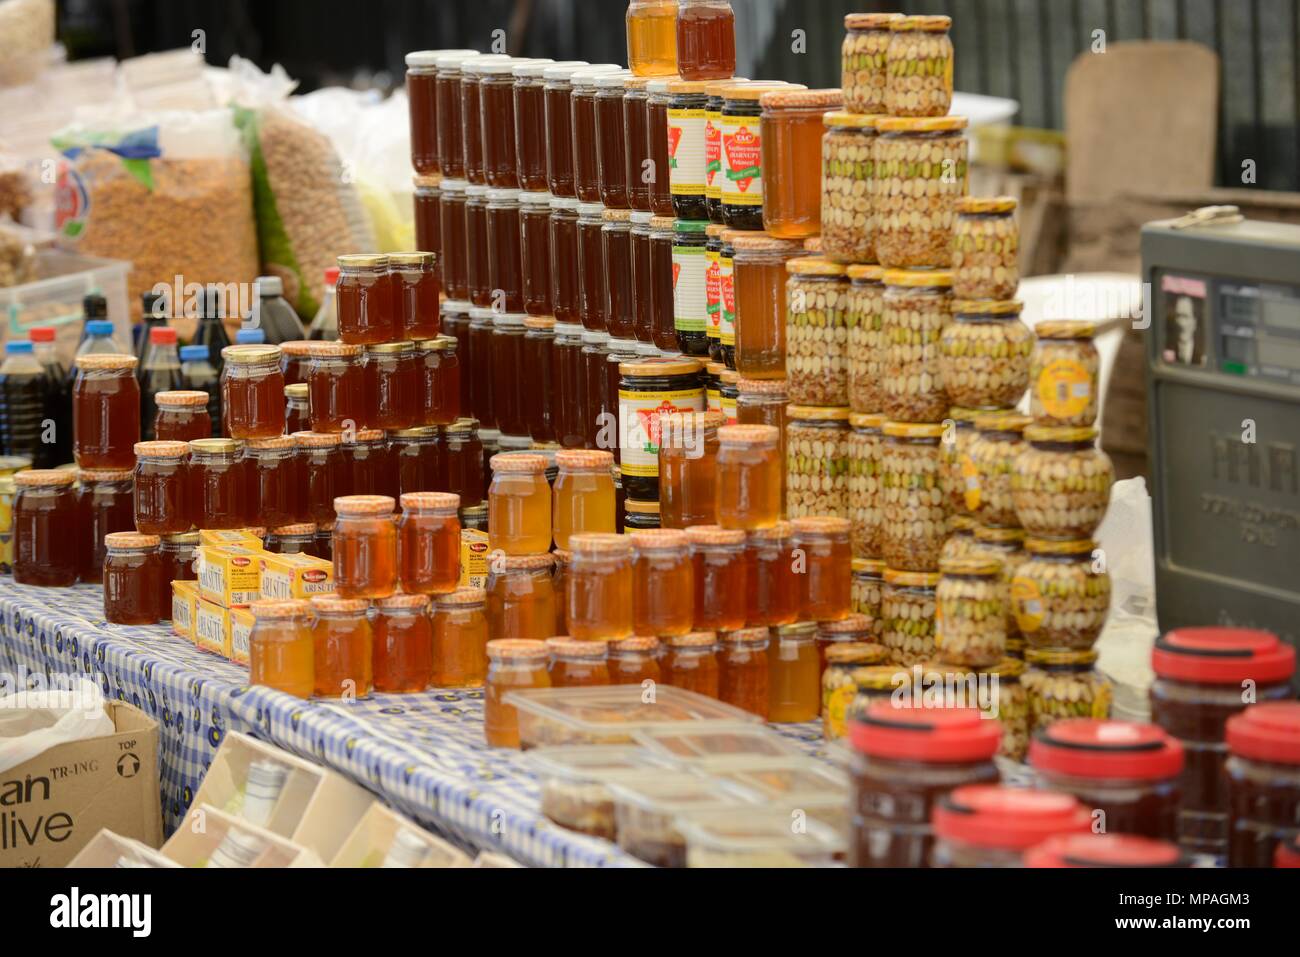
(744, 673)
(656, 113)
(540, 408)
(105, 503)
(451, 158)
(497, 122)
(403, 644)
(592, 296)
(824, 585)
(636, 149)
(295, 356)
(634, 661)
(706, 39)
(513, 664)
(426, 203)
(460, 637)
(760, 278)
(750, 473)
(464, 461)
(392, 378)
(520, 596)
(741, 179)
(519, 504)
(281, 650)
(532, 130)
(598, 600)
(336, 387)
(252, 391)
(472, 114)
(689, 468)
(505, 253)
(366, 298)
(611, 145)
(296, 539)
(161, 502)
(577, 664)
(343, 644)
(453, 240)
(652, 37)
(718, 555)
(415, 293)
(772, 587)
(853, 629)
(507, 344)
(133, 580)
(663, 583)
(105, 411)
(421, 86)
(794, 674)
(690, 662)
(438, 360)
(297, 417)
(791, 137)
(583, 494)
(418, 460)
(616, 242)
(275, 486)
(663, 328)
(563, 250)
(182, 416)
(558, 116)
(428, 537)
(217, 493)
(586, 145)
(365, 546)
(535, 253)
(477, 251)
(45, 524)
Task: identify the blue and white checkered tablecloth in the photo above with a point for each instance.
(422, 753)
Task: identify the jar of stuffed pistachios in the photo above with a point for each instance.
(817, 461)
(865, 499)
(1006, 543)
(920, 172)
(848, 185)
(999, 439)
(917, 308)
(1064, 684)
(971, 617)
(863, 74)
(960, 540)
(984, 353)
(1064, 372)
(865, 587)
(986, 248)
(918, 64)
(913, 510)
(817, 332)
(1061, 594)
(907, 608)
(866, 318)
(1060, 484)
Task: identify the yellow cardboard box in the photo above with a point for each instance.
(240, 623)
(212, 628)
(244, 537)
(473, 558)
(230, 575)
(185, 595)
(295, 576)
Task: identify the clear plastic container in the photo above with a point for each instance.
(794, 786)
(757, 837)
(646, 811)
(714, 746)
(574, 783)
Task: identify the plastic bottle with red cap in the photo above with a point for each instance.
(325, 325)
(1125, 772)
(1202, 679)
(57, 400)
(1263, 772)
(905, 761)
(985, 825)
(1105, 850)
(1288, 852)
(162, 373)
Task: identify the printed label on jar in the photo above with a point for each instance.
(1027, 601)
(729, 409)
(727, 287)
(690, 298)
(638, 426)
(686, 152)
(742, 162)
(1065, 388)
(837, 709)
(713, 400)
(712, 156)
(970, 476)
(473, 558)
(713, 292)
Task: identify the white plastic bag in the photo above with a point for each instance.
(32, 722)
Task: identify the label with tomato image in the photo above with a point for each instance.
(690, 296)
(638, 421)
(742, 161)
(1065, 388)
(712, 156)
(1027, 603)
(686, 152)
(713, 292)
(727, 288)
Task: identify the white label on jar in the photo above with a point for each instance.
(690, 296)
(742, 161)
(686, 152)
(727, 287)
(638, 425)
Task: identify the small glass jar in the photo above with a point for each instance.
(519, 504)
(403, 644)
(917, 308)
(649, 388)
(418, 462)
(792, 147)
(706, 39)
(217, 494)
(1064, 374)
(325, 541)
(426, 203)
(593, 298)
(853, 629)
(913, 513)
(595, 398)
(728, 394)
(824, 583)
(918, 67)
(296, 539)
(473, 115)
(772, 586)
(366, 295)
(252, 391)
(105, 503)
(741, 180)
(365, 546)
(1263, 778)
(133, 580)
(1060, 594)
(685, 134)
(428, 543)
(281, 652)
(662, 289)
(182, 416)
(663, 583)
(161, 476)
(867, 342)
(440, 390)
(817, 461)
(535, 252)
(986, 248)
(984, 353)
(540, 407)
(611, 146)
(297, 415)
(993, 826)
(718, 556)
(907, 610)
(273, 470)
(464, 460)
(505, 252)
(642, 289)
(863, 74)
(344, 647)
(657, 101)
(690, 662)
(989, 464)
(760, 263)
(508, 403)
(530, 127)
(324, 473)
(847, 187)
(455, 253)
(838, 687)
(336, 385)
(415, 294)
(460, 637)
(616, 242)
(563, 252)
(513, 664)
(479, 367)
(817, 333)
(497, 123)
(478, 251)
(744, 673)
(520, 596)
(688, 471)
(393, 379)
(866, 495)
(959, 472)
(582, 495)
(558, 114)
(634, 661)
(961, 538)
(690, 295)
(451, 157)
(865, 590)
(586, 146)
(1007, 544)
(1060, 485)
(105, 411)
(578, 664)
(914, 203)
(749, 473)
(599, 602)
(1064, 684)
(794, 674)
(971, 612)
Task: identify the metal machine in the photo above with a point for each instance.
(1223, 390)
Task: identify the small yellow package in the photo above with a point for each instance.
(295, 576)
(229, 575)
(473, 558)
(185, 595)
(212, 628)
(244, 537)
(241, 626)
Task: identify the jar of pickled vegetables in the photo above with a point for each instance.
(1061, 594)
(252, 391)
(1064, 684)
(817, 460)
(986, 248)
(365, 546)
(920, 173)
(991, 461)
(513, 664)
(865, 589)
(817, 333)
(907, 612)
(917, 309)
(918, 67)
(749, 474)
(1061, 484)
(760, 278)
(577, 664)
(794, 674)
(791, 137)
(663, 582)
(772, 586)
(863, 74)
(599, 602)
(744, 672)
(984, 353)
(520, 596)
(1064, 372)
(838, 689)
(913, 512)
(519, 504)
(971, 612)
(690, 662)
(993, 826)
(848, 187)
(865, 493)
(825, 578)
(718, 555)
(460, 637)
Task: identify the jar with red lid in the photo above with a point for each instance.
(904, 761)
(392, 386)
(106, 500)
(1202, 676)
(985, 825)
(1105, 850)
(371, 463)
(1125, 772)
(1263, 776)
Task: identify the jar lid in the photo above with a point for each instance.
(90, 476)
(130, 540)
(977, 565)
(401, 600)
(729, 377)
(566, 68)
(991, 815)
(751, 92)
(391, 348)
(919, 278)
(532, 68)
(595, 336)
(939, 24)
(331, 350)
(913, 430)
(214, 446)
(441, 500)
(1061, 433)
(773, 533)
(283, 442)
(820, 524)
(843, 118)
(662, 223)
(856, 653)
(451, 59)
(1267, 732)
(507, 195)
(876, 677)
(182, 397)
(418, 432)
(394, 259)
(1066, 329)
(797, 97)
(599, 543)
(641, 217)
(1049, 546)
(1060, 656)
(654, 539)
(492, 64)
(932, 735)
(818, 412)
(694, 639)
(299, 528)
(338, 605)
(977, 205)
(1105, 850)
(850, 624)
(105, 360)
(634, 643)
(745, 636)
(250, 354)
(296, 391)
(534, 197)
(866, 273)
(635, 85)
(161, 449)
(690, 225)
(797, 630)
(966, 415)
(431, 57)
(714, 535)
(278, 608)
(523, 563)
(462, 596)
(516, 648)
(454, 186)
(460, 425)
(749, 435)
(539, 322)
(364, 505)
(870, 21)
(365, 260)
(317, 440)
(564, 202)
(868, 566)
(614, 80)
(1004, 420)
(576, 648)
(1095, 748)
(439, 343)
(895, 576)
(1212, 655)
(920, 124)
(585, 76)
(476, 191)
(762, 386)
(687, 87)
(714, 88)
(714, 231)
(617, 215)
(508, 319)
(641, 508)
(814, 266)
(1001, 535)
(867, 420)
(987, 307)
(753, 241)
(660, 366)
(517, 462)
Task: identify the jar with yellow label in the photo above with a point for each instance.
(1064, 684)
(918, 67)
(650, 387)
(1061, 594)
(971, 611)
(986, 248)
(838, 686)
(865, 494)
(999, 438)
(866, 317)
(984, 353)
(817, 461)
(865, 590)
(917, 309)
(907, 611)
(913, 511)
(1064, 372)
(817, 334)
(1060, 484)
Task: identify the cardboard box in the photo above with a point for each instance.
(230, 575)
(204, 828)
(106, 847)
(295, 576)
(493, 859)
(185, 599)
(212, 628)
(241, 537)
(53, 804)
(240, 623)
(473, 558)
(370, 840)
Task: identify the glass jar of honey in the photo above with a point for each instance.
(794, 674)
(772, 593)
(824, 583)
(520, 596)
(439, 365)
(451, 159)
(760, 277)
(535, 253)
(472, 113)
(295, 356)
(508, 373)
(744, 671)
(324, 473)
(392, 380)
(453, 239)
(464, 462)
(133, 580)
(586, 144)
(428, 538)
(336, 387)
(648, 389)
(599, 603)
(418, 462)
(749, 474)
(663, 583)
(538, 357)
(592, 294)
(161, 506)
(275, 486)
(479, 367)
(426, 202)
(853, 629)
(577, 664)
(657, 101)
(505, 252)
(530, 127)
(611, 145)
(403, 644)
(367, 300)
(583, 494)
(45, 525)
(718, 556)
(634, 661)
(688, 468)
(105, 503)
(690, 662)
(421, 86)
(252, 391)
(616, 240)
(105, 411)
(296, 539)
(415, 294)
(182, 416)
(706, 39)
(460, 637)
(281, 650)
(637, 152)
(519, 504)
(297, 417)
(652, 37)
(455, 323)
(343, 647)
(791, 140)
(558, 115)
(217, 494)
(478, 251)
(564, 271)
(512, 664)
(325, 541)
(497, 123)
(365, 546)
(740, 157)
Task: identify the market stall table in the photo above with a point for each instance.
(423, 753)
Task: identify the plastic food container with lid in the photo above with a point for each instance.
(756, 837)
(714, 746)
(992, 826)
(1263, 774)
(796, 786)
(646, 810)
(1105, 850)
(574, 783)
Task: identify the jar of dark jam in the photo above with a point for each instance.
(558, 116)
(1263, 774)
(418, 460)
(1126, 770)
(464, 458)
(986, 825)
(690, 302)
(568, 382)
(647, 389)
(637, 145)
(509, 373)
(662, 285)
(685, 131)
(371, 465)
(713, 288)
(505, 253)
(641, 287)
(611, 145)
(479, 367)
(455, 322)
(1202, 675)
(905, 760)
(477, 252)
(565, 277)
(451, 150)
(535, 252)
(617, 243)
(592, 297)
(639, 516)
(438, 360)
(541, 400)
(426, 202)
(656, 116)
(453, 240)
(595, 350)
